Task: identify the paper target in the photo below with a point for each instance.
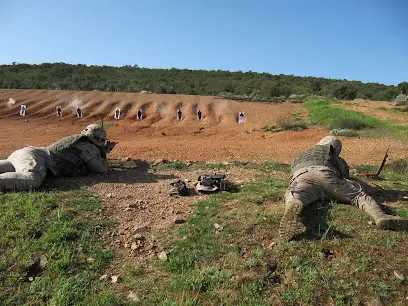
(23, 110)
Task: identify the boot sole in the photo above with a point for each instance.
(288, 225)
(393, 224)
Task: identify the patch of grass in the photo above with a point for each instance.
(49, 225)
(350, 123)
(287, 123)
(326, 113)
(395, 171)
(187, 166)
(209, 166)
(394, 109)
(342, 265)
(106, 124)
(178, 165)
(323, 112)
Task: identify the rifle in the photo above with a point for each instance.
(376, 174)
(109, 144)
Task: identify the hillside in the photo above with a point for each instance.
(256, 86)
(218, 137)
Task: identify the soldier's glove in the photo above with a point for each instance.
(109, 146)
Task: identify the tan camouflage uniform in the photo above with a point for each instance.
(321, 174)
(74, 155)
(24, 169)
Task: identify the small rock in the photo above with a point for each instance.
(157, 162)
(103, 277)
(133, 297)
(134, 246)
(184, 237)
(128, 159)
(114, 279)
(134, 205)
(43, 261)
(179, 220)
(370, 223)
(128, 209)
(218, 227)
(127, 245)
(138, 236)
(90, 260)
(399, 275)
(271, 245)
(31, 278)
(162, 256)
(373, 302)
(109, 195)
(140, 229)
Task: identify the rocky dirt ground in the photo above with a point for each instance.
(140, 200)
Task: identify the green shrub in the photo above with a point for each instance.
(323, 113)
(350, 123)
(286, 123)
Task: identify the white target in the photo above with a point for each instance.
(179, 114)
(79, 112)
(199, 115)
(117, 114)
(59, 111)
(23, 110)
(241, 118)
(139, 115)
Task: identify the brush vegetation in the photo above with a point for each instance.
(334, 116)
(238, 85)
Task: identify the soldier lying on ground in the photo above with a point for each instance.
(319, 174)
(73, 155)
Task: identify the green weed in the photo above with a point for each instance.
(36, 224)
(328, 114)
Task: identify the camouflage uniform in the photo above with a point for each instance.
(74, 155)
(24, 169)
(321, 174)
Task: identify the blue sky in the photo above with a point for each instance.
(343, 39)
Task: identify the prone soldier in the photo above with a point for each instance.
(320, 173)
(73, 155)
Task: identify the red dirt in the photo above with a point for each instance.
(218, 137)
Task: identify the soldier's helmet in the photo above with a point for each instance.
(96, 133)
(333, 141)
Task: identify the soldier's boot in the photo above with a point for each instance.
(384, 221)
(288, 225)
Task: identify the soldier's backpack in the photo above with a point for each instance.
(211, 183)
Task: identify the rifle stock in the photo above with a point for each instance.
(376, 174)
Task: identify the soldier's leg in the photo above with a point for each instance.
(20, 181)
(352, 192)
(6, 166)
(302, 191)
(30, 167)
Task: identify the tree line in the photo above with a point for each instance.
(131, 78)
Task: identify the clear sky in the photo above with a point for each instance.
(364, 40)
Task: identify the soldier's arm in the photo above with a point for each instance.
(344, 168)
(93, 158)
